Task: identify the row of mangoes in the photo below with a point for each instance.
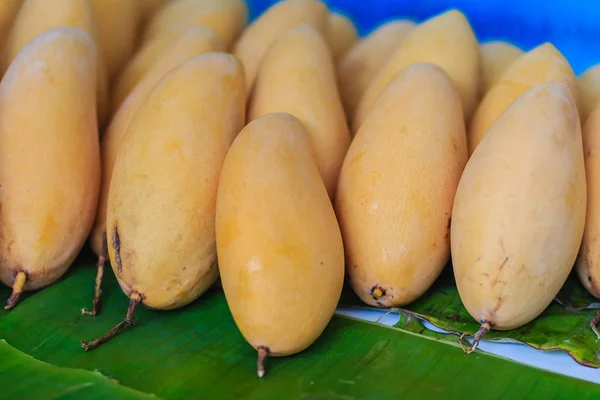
(290, 151)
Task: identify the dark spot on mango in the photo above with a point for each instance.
(377, 292)
(503, 263)
(116, 244)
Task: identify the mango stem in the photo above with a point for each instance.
(263, 352)
(135, 299)
(17, 289)
(97, 290)
(485, 328)
(594, 324)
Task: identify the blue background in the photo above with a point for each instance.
(573, 26)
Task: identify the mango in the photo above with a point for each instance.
(447, 41)
(49, 190)
(341, 34)
(137, 67)
(357, 68)
(226, 17)
(541, 64)
(588, 261)
(277, 238)
(394, 209)
(589, 91)
(298, 77)
(496, 56)
(195, 41)
(117, 24)
(254, 42)
(37, 16)
(519, 210)
(168, 167)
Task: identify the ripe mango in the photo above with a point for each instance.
(141, 62)
(361, 63)
(496, 56)
(277, 238)
(519, 210)
(195, 41)
(341, 34)
(37, 16)
(117, 24)
(394, 209)
(274, 22)
(49, 190)
(542, 64)
(588, 262)
(589, 91)
(447, 41)
(168, 167)
(226, 17)
(298, 77)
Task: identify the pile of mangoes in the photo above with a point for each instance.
(283, 155)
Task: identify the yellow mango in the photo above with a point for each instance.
(49, 190)
(588, 262)
(117, 24)
(496, 56)
(519, 210)
(357, 68)
(298, 77)
(277, 238)
(589, 90)
(37, 16)
(394, 209)
(137, 67)
(341, 34)
(274, 22)
(168, 167)
(542, 64)
(226, 17)
(447, 41)
(195, 41)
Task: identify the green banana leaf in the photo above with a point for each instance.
(575, 297)
(33, 379)
(197, 351)
(558, 328)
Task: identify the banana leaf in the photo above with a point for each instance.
(558, 328)
(197, 351)
(575, 297)
(27, 378)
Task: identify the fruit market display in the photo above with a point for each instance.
(280, 157)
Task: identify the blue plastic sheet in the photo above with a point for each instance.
(573, 26)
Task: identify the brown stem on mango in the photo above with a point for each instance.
(97, 290)
(263, 352)
(594, 324)
(485, 328)
(128, 321)
(17, 288)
